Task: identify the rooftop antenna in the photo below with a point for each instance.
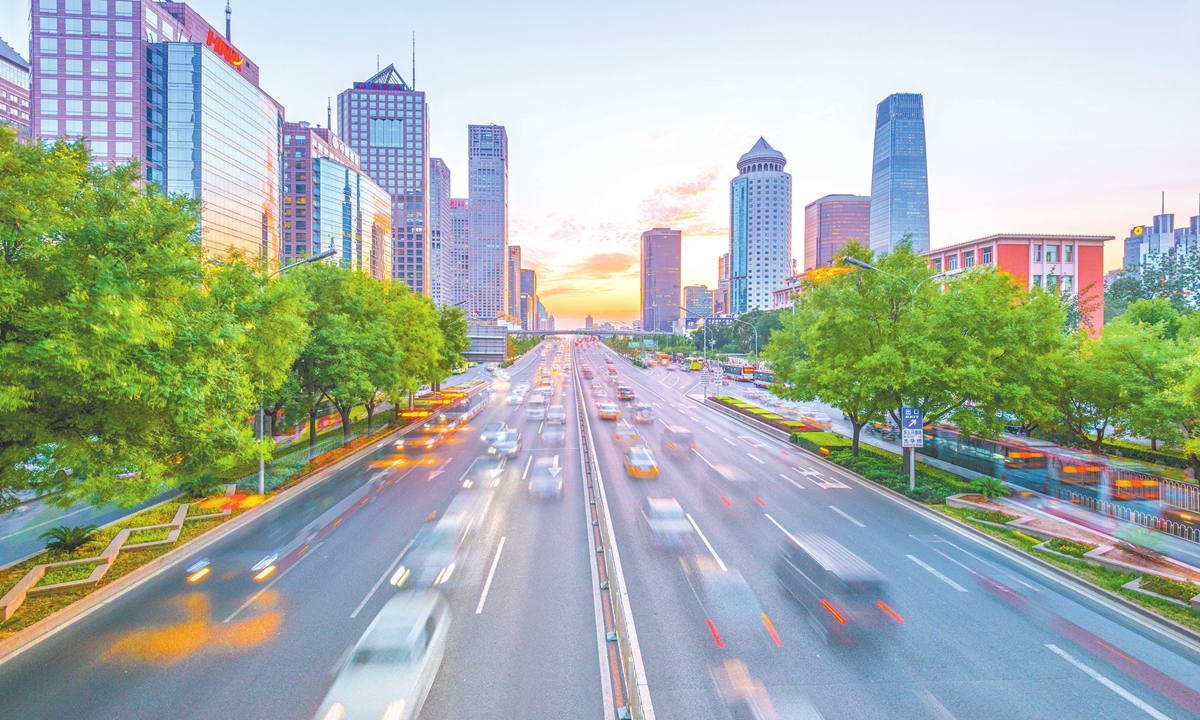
(328, 113)
(228, 29)
(1164, 202)
(414, 69)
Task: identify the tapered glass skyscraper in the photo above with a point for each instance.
(899, 176)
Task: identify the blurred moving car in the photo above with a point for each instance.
(490, 430)
(625, 433)
(441, 543)
(514, 398)
(545, 478)
(393, 665)
(553, 434)
(678, 440)
(484, 472)
(556, 415)
(643, 413)
(535, 409)
(731, 605)
(612, 369)
(624, 392)
(419, 442)
(506, 444)
(640, 463)
(667, 523)
(609, 411)
(490, 367)
(521, 387)
(841, 593)
(818, 419)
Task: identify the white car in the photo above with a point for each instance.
(514, 398)
(393, 665)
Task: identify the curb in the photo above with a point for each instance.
(48, 626)
(1166, 625)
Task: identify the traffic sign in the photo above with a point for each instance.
(912, 424)
(704, 379)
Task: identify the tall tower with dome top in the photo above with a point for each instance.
(760, 228)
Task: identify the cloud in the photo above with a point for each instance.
(604, 265)
(685, 206)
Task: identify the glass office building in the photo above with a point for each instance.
(353, 215)
(899, 176)
(760, 228)
(487, 222)
(223, 139)
(831, 222)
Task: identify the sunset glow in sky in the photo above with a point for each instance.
(1047, 117)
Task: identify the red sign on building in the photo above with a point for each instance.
(225, 50)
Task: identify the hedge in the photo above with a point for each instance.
(768, 416)
(933, 485)
(1134, 451)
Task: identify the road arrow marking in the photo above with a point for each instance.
(555, 469)
(435, 473)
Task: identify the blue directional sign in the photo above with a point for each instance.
(912, 425)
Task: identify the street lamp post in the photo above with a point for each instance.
(743, 322)
(912, 455)
(262, 287)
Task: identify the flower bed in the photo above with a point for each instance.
(993, 517)
(1170, 588)
(769, 417)
(887, 469)
(1070, 547)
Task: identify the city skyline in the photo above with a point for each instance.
(667, 163)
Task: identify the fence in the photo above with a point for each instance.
(1137, 517)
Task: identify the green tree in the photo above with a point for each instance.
(452, 322)
(1174, 277)
(120, 375)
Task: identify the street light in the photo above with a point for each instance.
(262, 463)
(743, 322)
(912, 456)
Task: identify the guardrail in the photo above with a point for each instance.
(614, 597)
(1120, 512)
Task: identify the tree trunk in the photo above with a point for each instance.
(345, 423)
(412, 400)
(1153, 444)
(1097, 446)
(370, 417)
(312, 428)
(854, 438)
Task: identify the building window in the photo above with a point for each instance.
(48, 6)
(74, 87)
(124, 48)
(951, 262)
(1037, 280)
(74, 127)
(74, 67)
(73, 26)
(968, 258)
(48, 45)
(1068, 253)
(123, 8)
(48, 25)
(1068, 283)
(99, 7)
(985, 256)
(75, 7)
(99, 27)
(124, 149)
(1052, 282)
(99, 128)
(1037, 253)
(124, 89)
(74, 107)
(124, 69)
(49, 106)
(74, 47)
(49, 66)
(49, 86)
(99, 67)
(1052, 253)
(99, 88)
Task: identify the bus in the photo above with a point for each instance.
(763, 378)
(740, 373)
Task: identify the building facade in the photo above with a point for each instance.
(760, 228)
(386, 122)
(303, 145)
(1070, 264)
(528, 292)
(698, 300)
(460, 279)
(660, 294)
(487, 213)
(441, 282)
(224, 141)
(1160, 237)
(721, 294)
(514, 280)
(353, 215)
(14, 90)
(588, 323)
(899, 175)
(831, 222)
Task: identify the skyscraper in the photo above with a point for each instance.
(831, 222)
(14, 90)
(698, 299)
(440, 233)
(899, 177)
(1161, 237)
(487, 213)
(514, 280)
(386, 121)
(721, 295)
(459, 294)
(660, 278)
(528, 289)
(760, 228)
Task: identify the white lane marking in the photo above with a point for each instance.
(526, 473)
(707, 544)
(1134, 699)
(729, 441)
(750, 441)
(759, 460)
(785, 532)
(714, 467)
(839, 512)
(694, 418)
(937, 708)
(386, 574)
(541, 426)
(271, 584)
(709, 429)
(785, 477)
(658, 406)
(491, 573)
(937, 574)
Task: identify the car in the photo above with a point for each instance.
(608, 360)
(553, 434)
(643, 413)
(640, 463)
(667, 523)
(442, 543)
(484, 472)
(819, 419)
(391, 668)
(545, 478)
(535, 409)
(506, 444)
(596, 385)
(843, 595)
(624, 392)
(601, 397)
(678, 440)
(556, 415)
(490, 367)
(514, 398)
(671, 368)
(436, 425)
(625, 433)
(490, 430)
(612, 369)
(731, 606)
(609, 411)
(419, 443)
(588, 374)
(521, 387)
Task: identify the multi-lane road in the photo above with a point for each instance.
(975, 630)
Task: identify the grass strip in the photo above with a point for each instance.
(70, 573)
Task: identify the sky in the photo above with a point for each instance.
(1046, 116)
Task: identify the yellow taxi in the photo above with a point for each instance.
(639, 462)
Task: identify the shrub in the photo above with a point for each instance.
(1184, 591)
(1135, 451)
(68, 538)
(1070, 547)
(993, 517)
(990, 487)
(200, 487)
